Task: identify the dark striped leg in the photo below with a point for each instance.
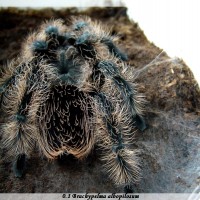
(119, 161)
(110, 71)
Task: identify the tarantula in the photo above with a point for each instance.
(70, 88)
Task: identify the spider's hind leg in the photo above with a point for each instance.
(140, 123)
(19, 165)
(129, 189)
(120, 162)
(19, 103)
(126, 91)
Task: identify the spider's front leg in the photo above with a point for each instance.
(113, 49)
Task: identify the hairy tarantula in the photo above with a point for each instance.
(70, 88)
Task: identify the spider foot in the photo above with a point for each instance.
(140, 123)
(19, 165)
(128, 189)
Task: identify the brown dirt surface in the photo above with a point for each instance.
(170, 146)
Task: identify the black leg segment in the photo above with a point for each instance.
(19, 165)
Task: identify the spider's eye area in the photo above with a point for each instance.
(79, 25)
(38, 46)
(52, 31)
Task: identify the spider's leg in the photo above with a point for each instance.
(113, 49)
(110, 71)
(19, 104)
(84, 45)
(6, 80)
(119, 162)
(80, 25)
(19, 165)
(89, 34)
(8, 75)
(129, 189)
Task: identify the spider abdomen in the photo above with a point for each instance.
(66, 122)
